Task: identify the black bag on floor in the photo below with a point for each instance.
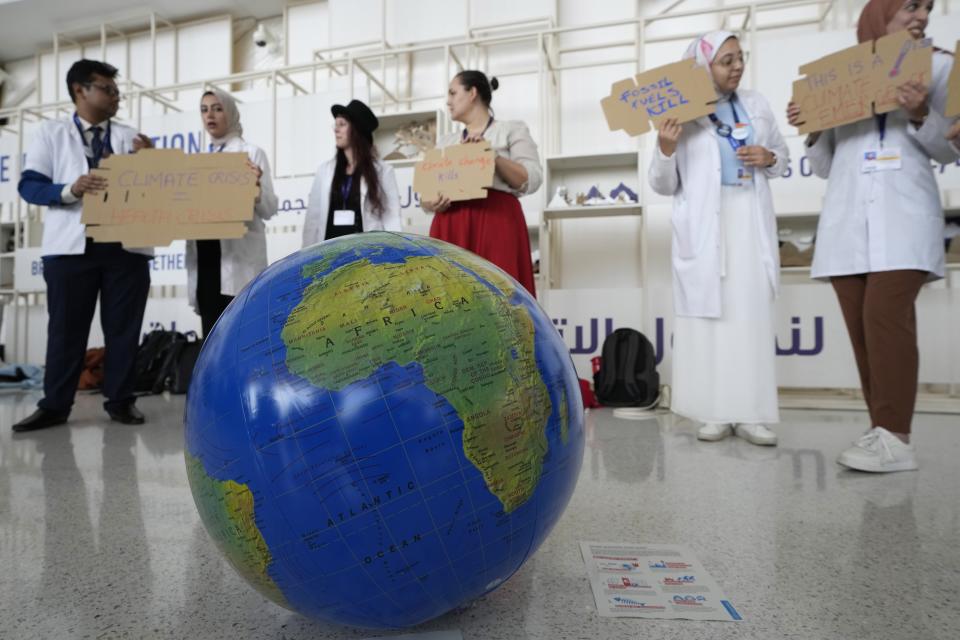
(179, 370)
(151, 357)
(628, 371)
(165, 361)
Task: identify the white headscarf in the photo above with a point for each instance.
(234, 129)
(705, 48)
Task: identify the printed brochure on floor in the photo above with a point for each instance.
(663, 581)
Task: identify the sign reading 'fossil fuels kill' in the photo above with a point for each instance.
(680, 90)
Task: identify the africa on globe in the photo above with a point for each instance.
(382, 428)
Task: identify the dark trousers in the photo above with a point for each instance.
(122, 281)
(210, 302)
(878, 309)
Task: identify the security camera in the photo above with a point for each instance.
(261, 36)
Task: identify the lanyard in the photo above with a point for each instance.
(489, 122)
(726, 131)
(345, 189)
(95, 155)
(881, 126)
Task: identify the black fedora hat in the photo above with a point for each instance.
(359, 115)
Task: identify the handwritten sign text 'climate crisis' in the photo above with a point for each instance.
(857, 82)
(132, 179)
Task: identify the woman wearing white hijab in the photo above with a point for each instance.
(218, 269)
(725, 256)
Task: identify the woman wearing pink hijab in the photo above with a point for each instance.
(725, 257)
(880, 235)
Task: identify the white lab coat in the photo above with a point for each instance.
(318, 207)
(692, 176)
(885, 220)
(57, 151)
(241, 259)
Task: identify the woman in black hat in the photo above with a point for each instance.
(353, 191)
(493, 227)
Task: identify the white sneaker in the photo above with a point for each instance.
(879, 451)
(757, 434)
(713, 431)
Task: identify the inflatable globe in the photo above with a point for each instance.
(381, 428)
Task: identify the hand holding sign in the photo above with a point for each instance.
(681, 91)
(88, 183)
(669, 135)
(912, 97)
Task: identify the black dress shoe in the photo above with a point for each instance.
(127, 415)
(41, 419)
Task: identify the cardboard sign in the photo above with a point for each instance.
(157, 196)
(857, 82)
(953, 88)
(680, 90)
(460, 172)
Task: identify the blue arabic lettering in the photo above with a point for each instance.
(578, 332)
(412, 197)
(658, 348)
(582, 346)
(559, 324)
(796, 347)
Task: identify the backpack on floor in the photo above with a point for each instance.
(165, 361)
(627, 376)
(178, 368)
(151, 357)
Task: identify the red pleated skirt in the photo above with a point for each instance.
(493, 228)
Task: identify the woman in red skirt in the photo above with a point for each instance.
(493, 227)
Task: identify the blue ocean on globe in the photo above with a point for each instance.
(381, 428)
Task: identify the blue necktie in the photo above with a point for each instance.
(96, 146)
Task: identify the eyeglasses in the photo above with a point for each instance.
(110, 90)
(729, 59)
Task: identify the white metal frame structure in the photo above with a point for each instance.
(388, 69)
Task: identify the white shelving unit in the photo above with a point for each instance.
(391, 123)
(578, 173)
(805, 223)
(8, 244)
(414, 219)
(598, 211)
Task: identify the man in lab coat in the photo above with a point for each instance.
(58, 175)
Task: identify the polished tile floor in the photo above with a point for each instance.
(99, 537)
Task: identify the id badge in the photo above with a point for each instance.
(888, 159)
(744, 174)
(344, 218)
